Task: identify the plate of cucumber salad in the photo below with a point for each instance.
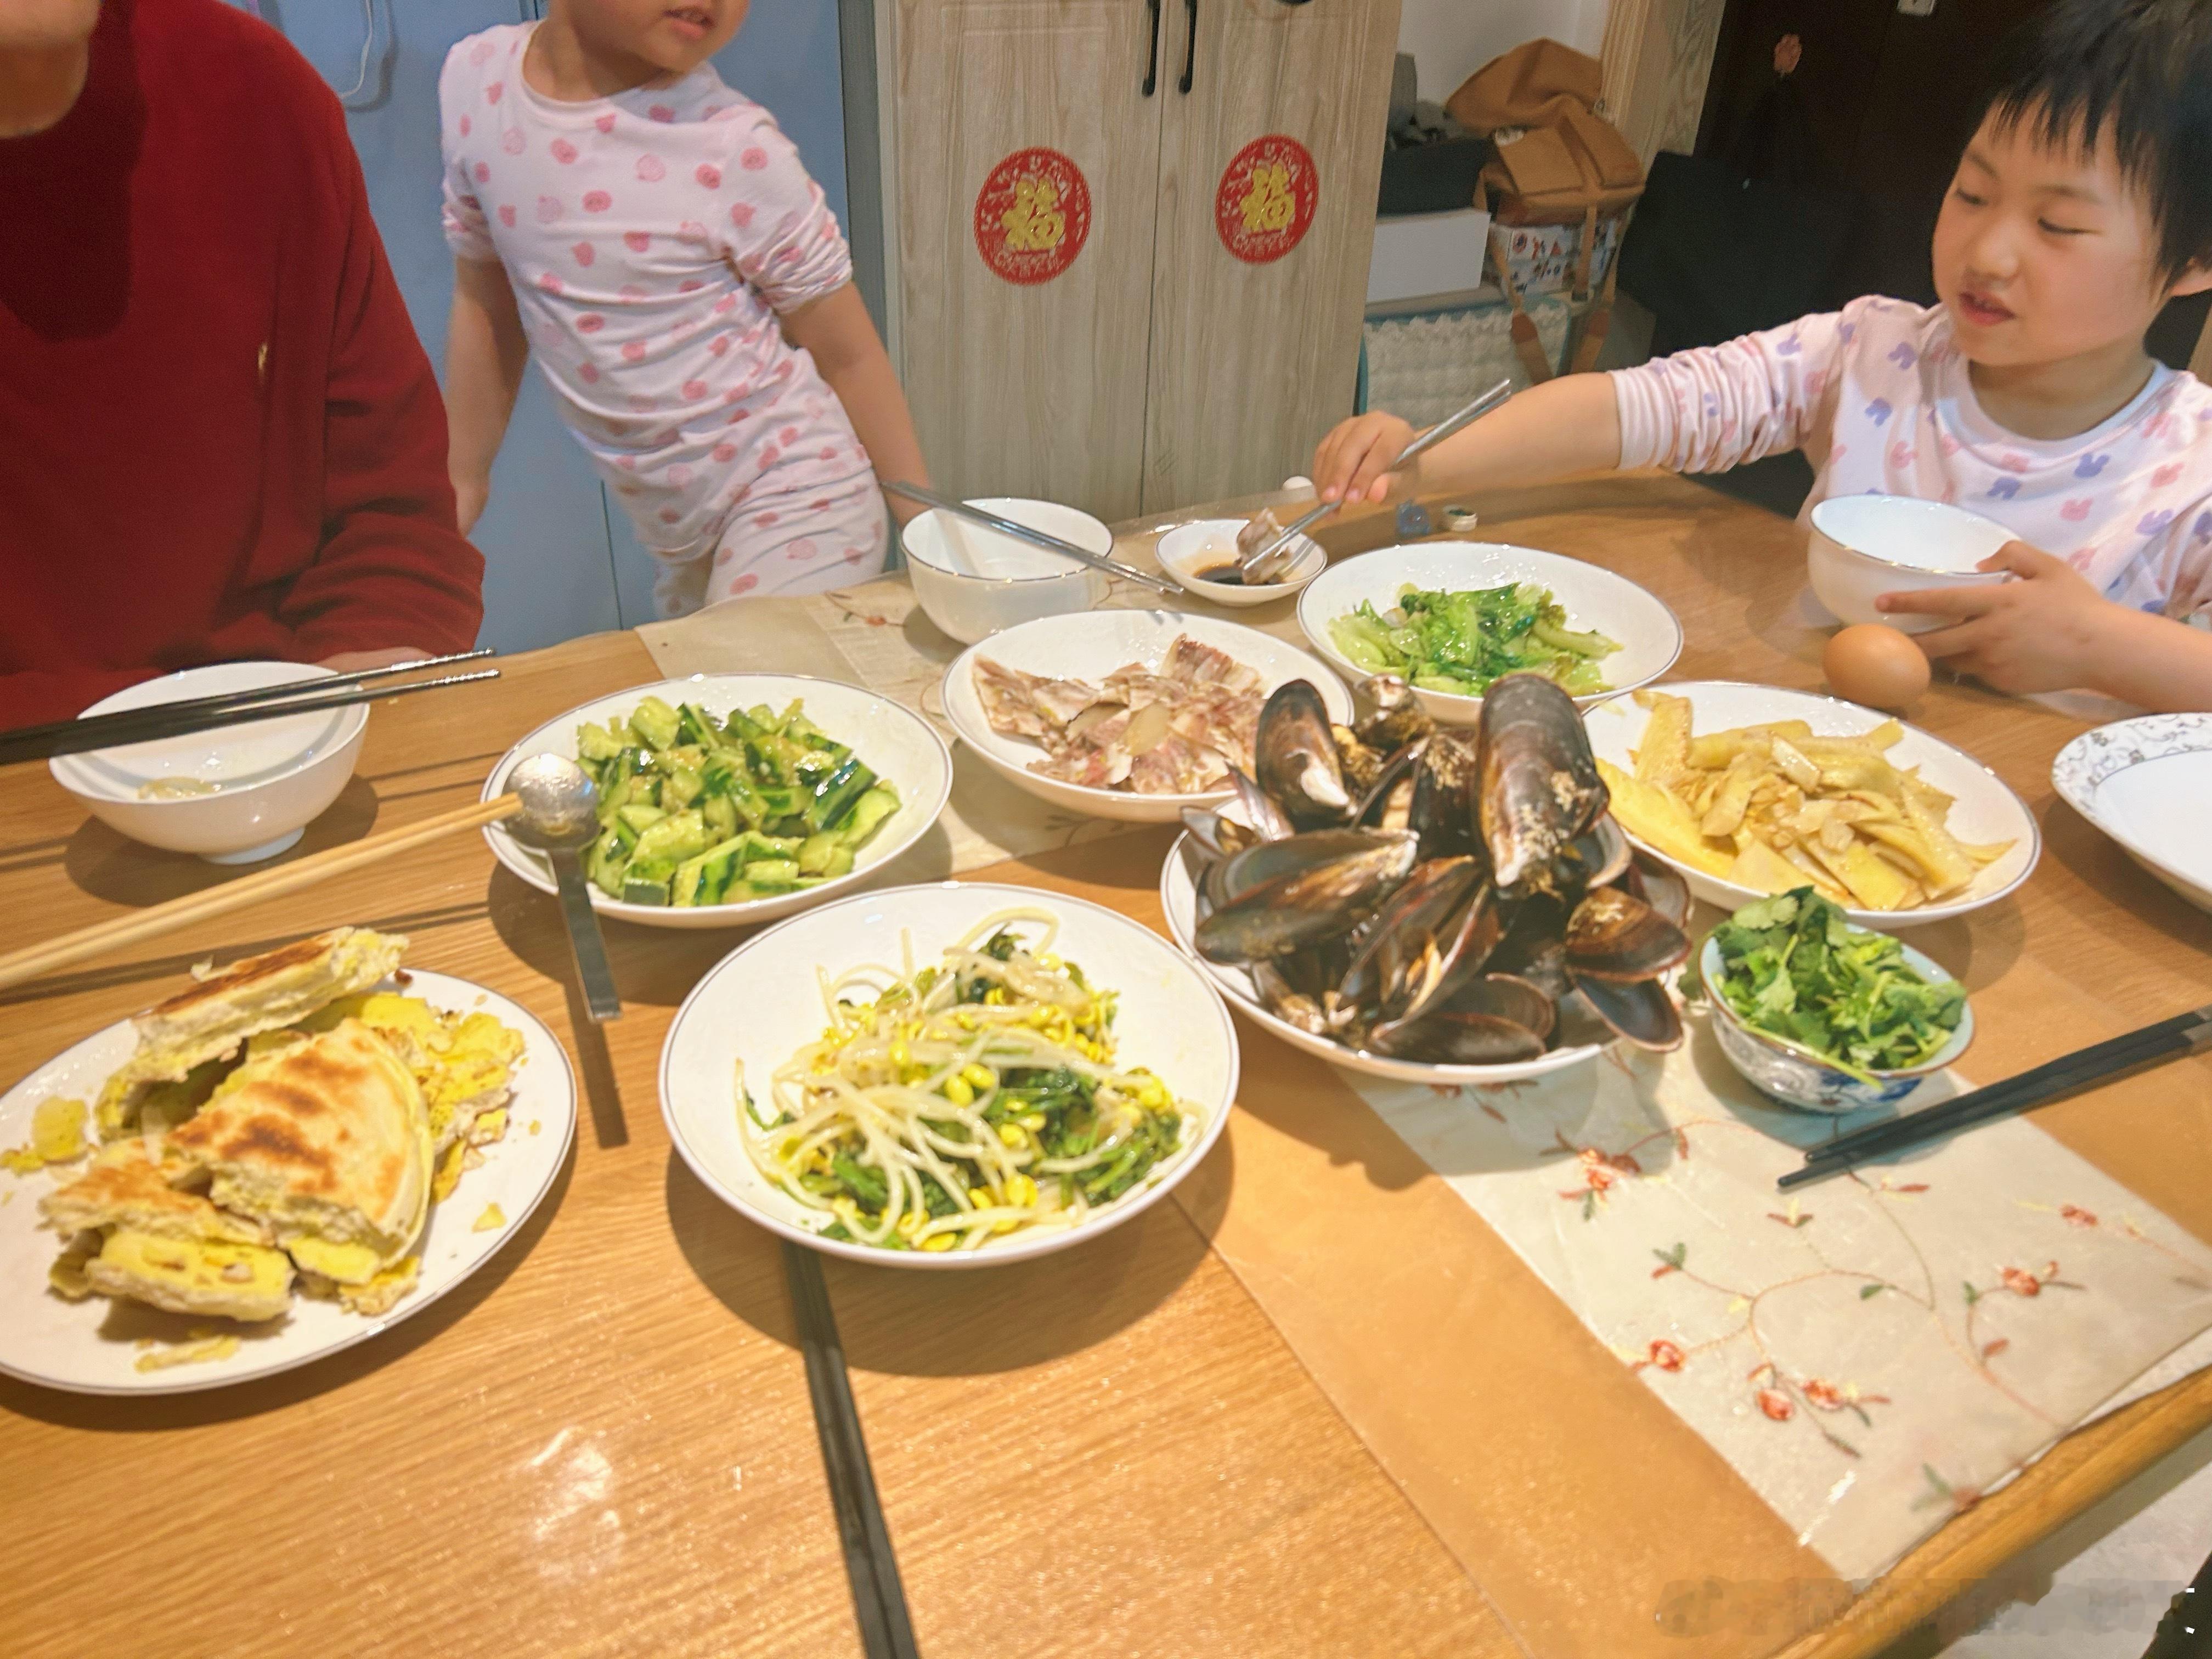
(727, 800)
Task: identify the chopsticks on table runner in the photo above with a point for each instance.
(878, 1600)
(266, 702)
(2184, 1034)
(17, 966)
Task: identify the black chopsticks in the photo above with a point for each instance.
(878, 1599)
(173, 720)
(2184, 1034)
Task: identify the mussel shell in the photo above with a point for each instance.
(1219, 835)
(1266, 817)
(1399, 718)
(1531, 946)
(1638, 1010)
(1506, 996)
(1598, 857)
(1491, 1019)
(1443, 811)
(1394, 779)
(1307, 906)
(1404, 952)
(1269, 860)
(1613, 935)
(1540, 787)
(1295, 759)
(1659, 887)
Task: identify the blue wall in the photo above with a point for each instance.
(559, 557)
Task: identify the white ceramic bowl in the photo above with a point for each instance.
(2147, 784)
(1090, 647)
(1179, 900)
(1984, 808)
(1650, 637)
(760, 1002)
(1190, 548)
(1865, 546)
(975, 582)
(276, 775)
(897, 745)
(1796, 1076)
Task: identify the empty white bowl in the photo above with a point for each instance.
(272, 778)
(973, 582)
(1865, 546)
(1189, 549)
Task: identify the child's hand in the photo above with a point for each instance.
(2042, 633)
(1354, 460)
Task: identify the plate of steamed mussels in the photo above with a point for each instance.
(1427, 903)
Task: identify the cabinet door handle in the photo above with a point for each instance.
(1189, 47)
(1153, 58)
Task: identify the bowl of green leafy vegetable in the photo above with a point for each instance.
(1824, 1015)
(727, 800)
(1450, 617)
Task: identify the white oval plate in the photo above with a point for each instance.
(2147, 784)
(893, 741)
(46, 1340)
(1091, 644)
(1179, 899)
(1984, 808)
(1650, 638)
(761, 1001)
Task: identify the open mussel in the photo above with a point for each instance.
(1308, 906)
(1294, 759)
(1437, 894)
(1540, 787)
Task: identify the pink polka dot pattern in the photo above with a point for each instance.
(671, 306)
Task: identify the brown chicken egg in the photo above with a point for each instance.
(1869, 663)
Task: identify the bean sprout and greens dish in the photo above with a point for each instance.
(944, 1107)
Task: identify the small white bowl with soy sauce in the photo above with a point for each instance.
(1202, 556)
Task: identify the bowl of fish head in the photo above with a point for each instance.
(1124, 714)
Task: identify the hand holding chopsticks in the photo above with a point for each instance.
(267, 703)
(2169, 1039)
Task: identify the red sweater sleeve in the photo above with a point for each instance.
(393, 569)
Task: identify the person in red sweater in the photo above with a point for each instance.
(219, 436)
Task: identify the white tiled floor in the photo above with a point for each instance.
(2096, 1589)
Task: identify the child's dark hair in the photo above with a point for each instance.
(2140, 70)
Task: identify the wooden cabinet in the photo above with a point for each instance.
(1214, 164)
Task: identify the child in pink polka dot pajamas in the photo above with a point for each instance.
(651, 237)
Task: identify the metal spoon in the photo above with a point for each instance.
(559, 817)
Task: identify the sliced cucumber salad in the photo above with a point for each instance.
(696, 810)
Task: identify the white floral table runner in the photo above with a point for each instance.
(1871, 1355)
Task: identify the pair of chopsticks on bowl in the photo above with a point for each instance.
(2151, 1045)
(267, 703)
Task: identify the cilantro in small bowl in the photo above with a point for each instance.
(1823, 1014)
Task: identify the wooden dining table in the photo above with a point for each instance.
(602, 1443)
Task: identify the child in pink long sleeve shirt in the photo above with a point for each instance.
(651, 236)
(2081, 205)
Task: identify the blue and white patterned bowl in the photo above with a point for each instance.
(1797, 1077)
